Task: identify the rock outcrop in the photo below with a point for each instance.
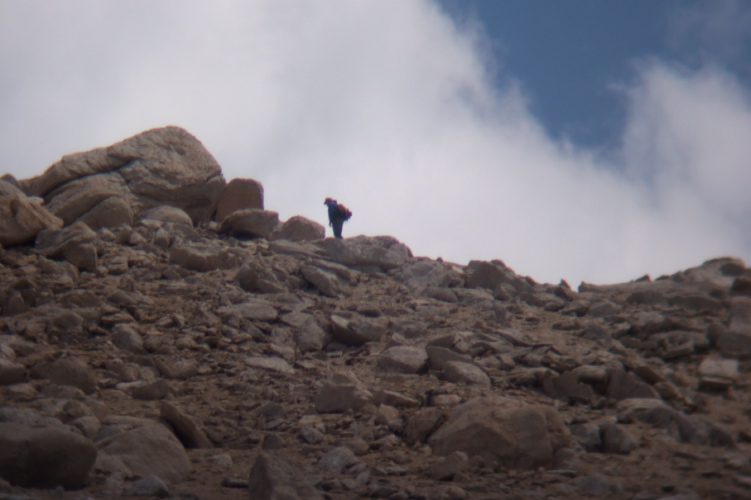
(110, 186)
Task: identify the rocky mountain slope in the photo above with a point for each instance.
(163, 335)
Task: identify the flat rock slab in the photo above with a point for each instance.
(270, 363)
(254, 311)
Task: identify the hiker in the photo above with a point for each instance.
(338, 214)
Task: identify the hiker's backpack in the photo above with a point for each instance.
(345, 212)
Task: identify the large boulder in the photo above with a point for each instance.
(239, 194)
(503, 431)
(149, 449)
(379, 253)
(299, 228)
(423, 274)
(250, 222)
(109, 186)
(492, 275)
(44, 456)
(21, 219)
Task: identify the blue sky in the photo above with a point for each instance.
(586, 140)
(568, 54)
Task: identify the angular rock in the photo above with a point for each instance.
(465, 373)
(598, 486)
(616, 439)
(449, 466)
(342, 392)
(149, 449)
(309, 336)
(128, 339)
(255, 276)
(257, 310)
(395, 399)
(438, 356)
(67, 371)
(186, 428)
(11, 373)
(603, 309)
(44, 456)
(504, 431)
(588, 435)
(326, 282)
(274, 478)
(270, 363)
(568, 387)
(492, 275)
(356, 331)
(735, 342)
(403, 359)
(299, 228)
(624, 385)
(164, 166)
(146, 390)
(441, 293)
(201, 257)
(21, 219)
(167, 214)
(423, 274)
(75, 243)
(382, 252)
(422, 424)
(239, 194)
(337, 460)
(180, 369)
(147, 486)
(250, 223)
(717, 374)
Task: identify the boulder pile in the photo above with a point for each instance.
(162, 334)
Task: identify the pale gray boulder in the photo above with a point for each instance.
(108, 186)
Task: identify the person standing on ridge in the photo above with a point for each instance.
(338, 214)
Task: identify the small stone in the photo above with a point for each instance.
(616, 439)
(453, 463)
(337, 460)
(310, 435)
(147, 486)
(272, 441)
(466, 373)
(403, 359)
(235, 482)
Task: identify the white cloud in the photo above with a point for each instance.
(391, 110)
